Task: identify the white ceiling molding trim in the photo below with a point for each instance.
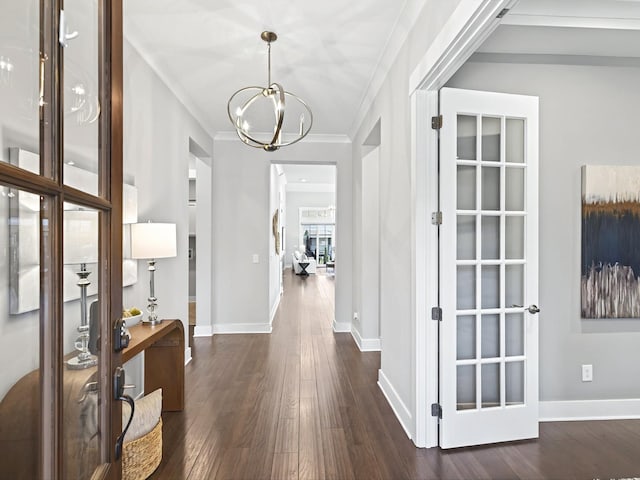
(173, 88)
(572, 22)
(468, 27)
(403, 26)
(311, 187)
(555, 59)
(311, 138)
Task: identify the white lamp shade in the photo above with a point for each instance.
(80, 237)
(153, 240)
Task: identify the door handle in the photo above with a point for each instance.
(533, 309)
(118, 394)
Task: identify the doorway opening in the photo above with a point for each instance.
(200, 240)
(305, 197)
(192, 240)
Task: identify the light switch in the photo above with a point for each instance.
(256, 258)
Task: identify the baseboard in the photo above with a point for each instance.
(340, 327)
(203, 331)
(274, 309)
(233, 328)
(365, 344)
(187, 356)
(192, 299)
(397, 405)
(577, 410)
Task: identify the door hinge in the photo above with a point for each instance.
(502, 13)
(436, 410)
(436, 218)
(436, 313)
(436, 122)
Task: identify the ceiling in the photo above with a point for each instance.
(309, 174)
(329, 53)
(334, 54)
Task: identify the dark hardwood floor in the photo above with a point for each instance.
(302, 403)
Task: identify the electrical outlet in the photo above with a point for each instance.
(256, 258)
(356, 316)
(587, 373)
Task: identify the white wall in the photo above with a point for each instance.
(158, 129)
(204, 240)
(242, 227)
(392, 108)
(588, 116)
(368, 323)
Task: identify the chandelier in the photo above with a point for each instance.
(258, 113)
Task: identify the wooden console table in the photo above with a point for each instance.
(163, 347)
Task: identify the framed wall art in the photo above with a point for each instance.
(610, 280)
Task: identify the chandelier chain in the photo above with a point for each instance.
(269, 65)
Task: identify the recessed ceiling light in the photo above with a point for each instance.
(303, 180)
(71, 162)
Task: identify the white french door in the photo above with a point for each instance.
(488, 267)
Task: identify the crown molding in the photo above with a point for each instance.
(403, 26)
(311, 138)
(555, 59)
(310, 187)
(572, 22)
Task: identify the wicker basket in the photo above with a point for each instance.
(141, 457)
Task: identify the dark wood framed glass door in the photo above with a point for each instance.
(61, 227)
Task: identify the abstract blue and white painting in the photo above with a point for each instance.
(610, 280)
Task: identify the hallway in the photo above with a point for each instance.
(303, 403)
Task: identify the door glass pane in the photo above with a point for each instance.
(466, 287)
(514, 196)
(514, 383)
(490, 188)
(515, 140)
(467, 134)
(466, 337)
(20, 83)
(490, 286)
(466, 192)
(466, 238)
(514, 334)
(514, 285)
(81, 96)
(466, 387)
(514, 238)
(490, 238)
(491, 129)
(20, 338)
(81, 435)
(490, 336)
(490, 385)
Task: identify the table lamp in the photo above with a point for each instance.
(151, 241)
(80, 248)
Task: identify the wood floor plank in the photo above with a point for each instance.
(285, 466)
(337, 463)
(303, 404)
(310, 456)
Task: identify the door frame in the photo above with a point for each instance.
(467, 28)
